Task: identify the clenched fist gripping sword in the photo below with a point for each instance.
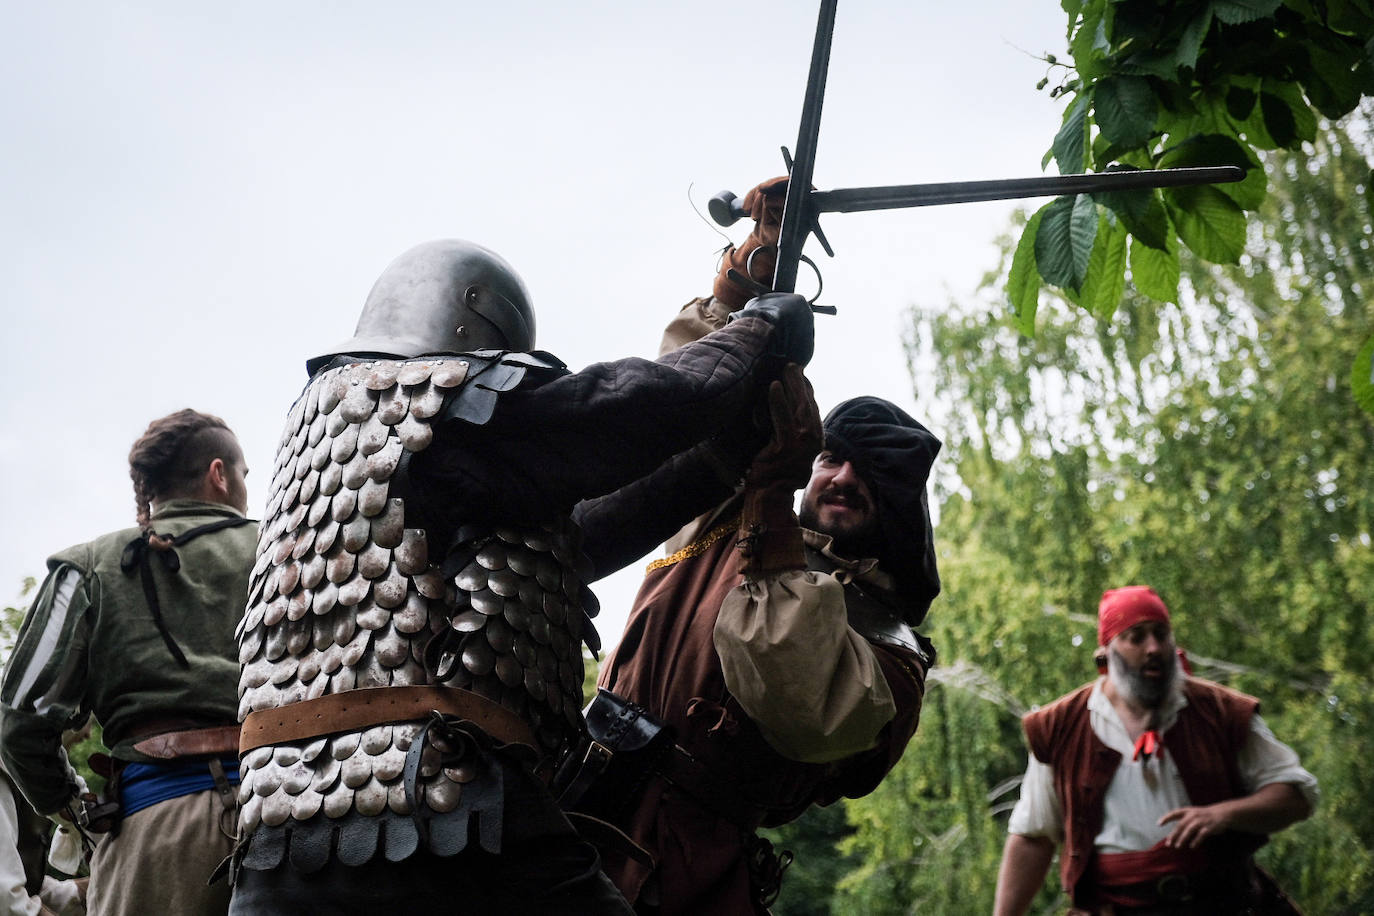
(803, 205)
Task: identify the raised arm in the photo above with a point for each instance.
(808, 680)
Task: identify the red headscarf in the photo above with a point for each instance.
(1123, 608)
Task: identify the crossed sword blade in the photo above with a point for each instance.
(803, 205)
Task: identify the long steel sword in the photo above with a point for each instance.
(803, 206)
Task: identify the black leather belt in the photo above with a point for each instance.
(1170, 895)
(714, 794)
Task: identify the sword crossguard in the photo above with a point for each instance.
(758, 288)
(726, 209)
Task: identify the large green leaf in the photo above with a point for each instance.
(1104, 153)
(1209, 222)
(1304, 117)
(1206, 149)
(1196, 116)
(1053, 252)
(1124, 108)
(1065, 240)
(1023, 280)
(1088, 44)
(1304, 7)
(1362, 376)
(1190, 42)
(1105, 280)
(1333, 85)
(1142, 212)
(1353, 17)
(1238, 11)
(1071, 143)
(1249, 192)
(1216, 149)
(1279, 120)
(1252, 128)
(1083, 233)
(1151, 63)
(1239, 102)
(1155, 273)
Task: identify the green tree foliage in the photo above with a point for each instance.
(1178, 83)
(1208, 450)
(815, 839)
(12, 618)
(591, 668)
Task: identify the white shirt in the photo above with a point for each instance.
(14, 898)
(1142, 791)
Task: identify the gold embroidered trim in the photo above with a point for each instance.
(696, 548)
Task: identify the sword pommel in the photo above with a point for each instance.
(726, 208)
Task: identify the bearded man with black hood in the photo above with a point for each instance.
(769, 663)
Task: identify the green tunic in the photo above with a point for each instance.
(90, 644)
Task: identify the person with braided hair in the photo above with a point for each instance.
(137, 627)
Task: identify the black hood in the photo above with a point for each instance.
(893, 454)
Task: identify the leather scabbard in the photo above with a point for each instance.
(369, 706)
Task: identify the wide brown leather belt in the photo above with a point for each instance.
(369, 706)
(192, 742)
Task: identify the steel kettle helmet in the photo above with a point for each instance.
(444, 296)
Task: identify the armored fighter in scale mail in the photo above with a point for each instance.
(411, 649)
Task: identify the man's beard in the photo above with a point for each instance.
(1146, 692)
(853, 542)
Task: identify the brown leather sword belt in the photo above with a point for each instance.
(369, 706)
(168, 739)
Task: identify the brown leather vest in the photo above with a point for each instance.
(1204, 741)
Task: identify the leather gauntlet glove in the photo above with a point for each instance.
(770, 535)
(764, 204)
(794, 325)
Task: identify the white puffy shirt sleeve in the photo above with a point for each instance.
(1038, 812)
(809, 681)
(1265, 759)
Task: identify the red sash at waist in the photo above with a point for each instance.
(1134, 872)
(1148, 864)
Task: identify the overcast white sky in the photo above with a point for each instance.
(194, 197)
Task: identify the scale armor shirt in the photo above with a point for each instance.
(345, 596)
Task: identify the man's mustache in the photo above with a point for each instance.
(846, 494)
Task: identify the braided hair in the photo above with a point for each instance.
(172, 454)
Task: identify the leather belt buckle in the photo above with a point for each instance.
(98, 816)
(594, 763)
(598, 755)
(1174, 888)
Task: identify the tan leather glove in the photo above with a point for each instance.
(770, 535)
(764, 205)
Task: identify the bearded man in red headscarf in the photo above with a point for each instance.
(1159, 786)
